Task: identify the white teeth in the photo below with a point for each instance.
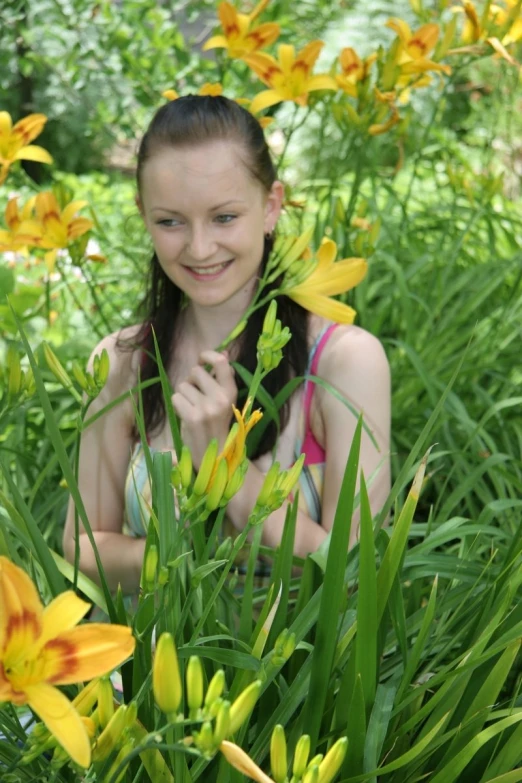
(209, 270)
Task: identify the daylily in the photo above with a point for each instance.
(60, 228)
(40, 647)
(326, 280)
(415, 48)
(234, 449)
(206, 89)
(354, 70)
(290, 77)
(22, 230)
(506, 25)
(14, 141)
(237, 757)
(240, 37)
(388, 99)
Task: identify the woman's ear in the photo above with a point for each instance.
(273, 206)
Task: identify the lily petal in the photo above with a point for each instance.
(33, 152)
(86, 652)
(6, 123)
(237, 757)
(64, 612)
(325, 307)
(62, 720)
(71, 209)
(265, 99)
(20, 620)
(216, 42)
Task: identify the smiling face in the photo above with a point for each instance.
(207, 216)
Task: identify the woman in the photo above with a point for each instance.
(210, 200)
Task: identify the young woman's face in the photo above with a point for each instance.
(207, 217)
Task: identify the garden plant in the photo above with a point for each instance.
(397, 660)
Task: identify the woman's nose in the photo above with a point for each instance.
(202, 245)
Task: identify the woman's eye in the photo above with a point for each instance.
(225, 218)
(169, 222)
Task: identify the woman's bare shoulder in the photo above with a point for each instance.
(354, 355)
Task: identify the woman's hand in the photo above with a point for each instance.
(204, 403)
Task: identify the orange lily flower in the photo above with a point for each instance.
(328, 279)
(22, 231)
(415, 48)
(234, 449)
(240, 37)
(354, 70)
(290, 77)
(41, 648)
(14, 141)
(60, 228)
(506, 25)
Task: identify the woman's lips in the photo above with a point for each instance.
(209, 272)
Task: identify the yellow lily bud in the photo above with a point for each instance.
(270, 318)
(163, 576)
(149, 569)
(278, 761)
(215, 688)
(204, 739)
(312, 774)
(102, 371)
(110, 737)
(185, 467)
(291, 476)
(105, 701)
(237, 330)
(331, 764)
(166, 679)
(86, 698)
(217, 486)
(296, 250)
(243, 705)
(222, 727)
(56, 367)
(122, 754)
(235, 483)
(79, 376)
(206, 468)
(302, 751)
(268, 484)
(131, 715)
(194, 678)
(284, 647)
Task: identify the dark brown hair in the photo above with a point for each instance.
(190, 121)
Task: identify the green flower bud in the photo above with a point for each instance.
(243, 705)
(217, 486)
(235, 483)
(102, 371)
(331, 764)
(206, 468)
(204, 739)
(312, 774)
(110, 737)
(222, 727)
(149, 569)
(194, 678)
(122, 754)
(185, 467)
(268, 485)
(270, 319)
(166, 679)
(14, 383)
(302, 752)
(224, 549)
(215, 688)
(237, 330)
(291, 476)
(80, 376)
(278, 760)
(105, 701)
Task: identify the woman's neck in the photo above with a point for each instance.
(209, 326)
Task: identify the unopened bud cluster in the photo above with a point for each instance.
(278, 485)
(288, 255)
(272, 340)
(219, 717)
(91, 384)
(319, 769)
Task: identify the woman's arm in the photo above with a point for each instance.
(104, 458)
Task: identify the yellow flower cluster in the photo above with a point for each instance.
(379, 83)
(41, 224)
(15, 141)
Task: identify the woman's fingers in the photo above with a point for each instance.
(223, 370)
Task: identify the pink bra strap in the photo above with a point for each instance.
(313, 450)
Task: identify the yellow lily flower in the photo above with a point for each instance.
(326, 280)
(60, 227)
(22, 231)
(414, 49)
(234, 449)
(290, 77)
(237, 757)
(354, 70)
(41, 648)
(14, 141)
(388, 99)
(206, 89)
(491, 27)
(240, 37)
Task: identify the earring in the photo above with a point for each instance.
(269, 234)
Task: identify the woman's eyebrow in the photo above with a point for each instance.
(212, 209)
